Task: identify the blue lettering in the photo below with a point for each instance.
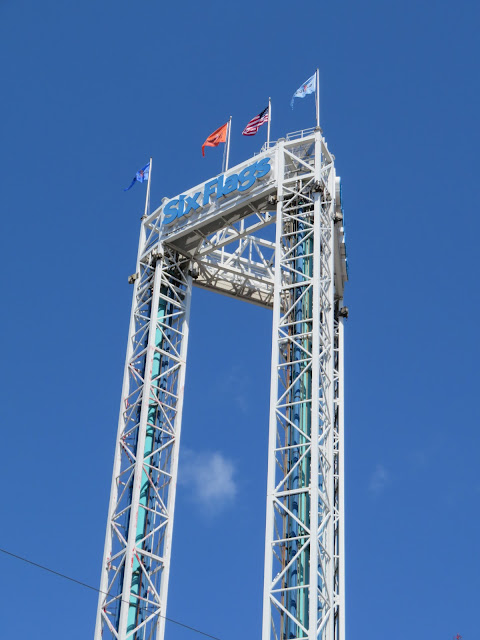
(263, 167)
(209, 190)
(191, 203)
(170, 211)
(231, 184)
(220, 187)
(181, 206)
(247, 177)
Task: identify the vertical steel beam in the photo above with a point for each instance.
(315, 430)
(327, 329)
(107, 553)
(340, 480)
(272, 437)
(174, 463)
(129, 601)
(304, 506)
(133, 598)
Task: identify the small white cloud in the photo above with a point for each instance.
(418, 459)
(209, 477)
(379, 479)
(235, 384)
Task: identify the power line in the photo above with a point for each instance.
(89, 586)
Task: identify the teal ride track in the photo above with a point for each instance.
(153, 441)
(297, 577)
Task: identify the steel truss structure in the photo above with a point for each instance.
(300, 275)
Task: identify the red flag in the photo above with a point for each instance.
(214, 139)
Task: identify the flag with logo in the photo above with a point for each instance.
(307, 87)
(140, 176)
(255, 123)
(215, 138)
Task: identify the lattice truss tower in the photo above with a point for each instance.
(300, 276)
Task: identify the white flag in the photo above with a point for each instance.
(307, 87)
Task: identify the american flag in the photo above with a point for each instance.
(255, 123)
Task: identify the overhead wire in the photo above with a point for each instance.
(89, 586)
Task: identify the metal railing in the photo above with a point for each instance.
(295, 135)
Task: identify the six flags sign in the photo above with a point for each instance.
(223, 185)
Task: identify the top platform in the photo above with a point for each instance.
(234, 204)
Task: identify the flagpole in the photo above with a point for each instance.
(147, 199)
(269, 120)
(224, 157)
(317, 97)
(228, 142)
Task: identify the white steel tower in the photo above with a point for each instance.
(205, 237)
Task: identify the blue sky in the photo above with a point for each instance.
(91, 90)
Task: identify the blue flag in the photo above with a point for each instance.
(140, 176)
(307, 87)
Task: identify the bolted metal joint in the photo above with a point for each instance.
(133, 277)
(343, 312)
(156, 255)
(338, 218)
(194, 272)
(318, 186)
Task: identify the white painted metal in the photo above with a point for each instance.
(272, 435)
(228, 144)
(301, 276)
(315, 425)
(327, 408)
(147, 197)
(144, 481)
(269, 123)
(104, 579)
(340, 478)
(131, 547)
(302, 564)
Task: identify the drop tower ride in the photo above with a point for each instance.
(212, 236)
